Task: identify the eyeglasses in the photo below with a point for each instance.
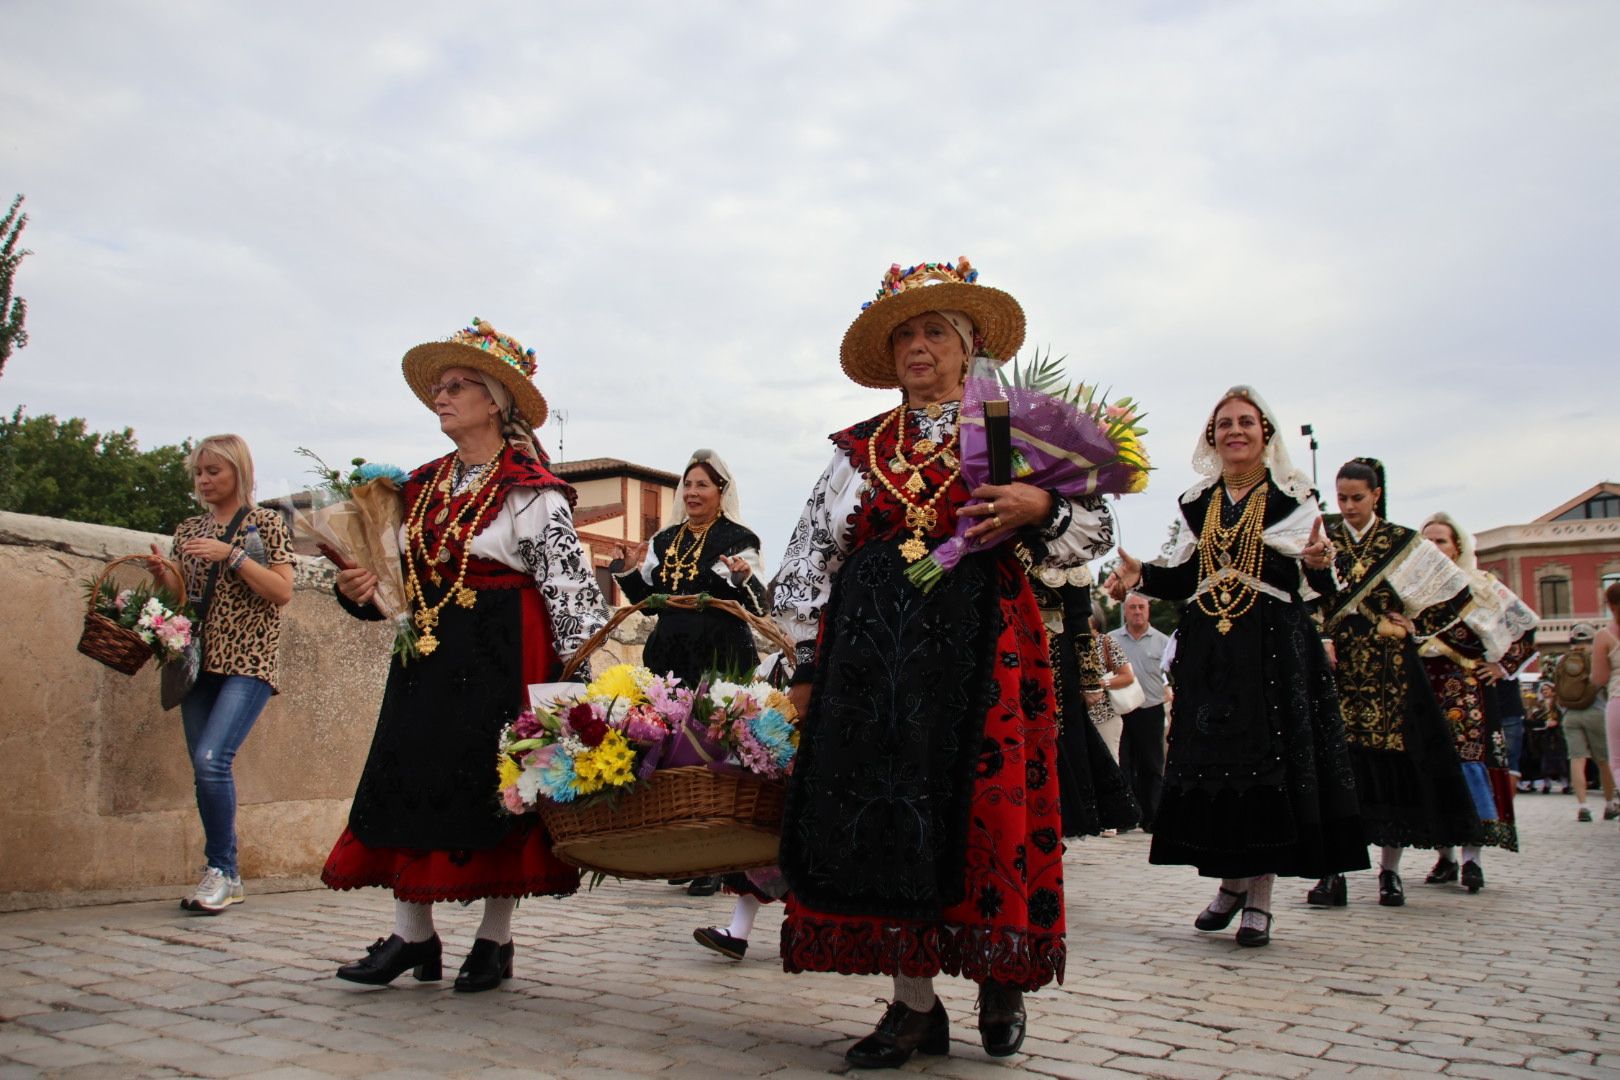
(452, 386)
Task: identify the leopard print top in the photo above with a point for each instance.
(243, 632)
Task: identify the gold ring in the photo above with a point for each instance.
(995, 519)
(992, 505)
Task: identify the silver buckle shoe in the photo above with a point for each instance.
(212, 894)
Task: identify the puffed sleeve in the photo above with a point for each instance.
(543, 534)
(815, 551)
(637, 583)
(1176, 575)
(751, 589)
(1081, 529)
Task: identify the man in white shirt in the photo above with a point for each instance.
(1141, 747)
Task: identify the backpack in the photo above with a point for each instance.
(1572, 681)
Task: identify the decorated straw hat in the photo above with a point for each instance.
(481, 348)
(908, 292)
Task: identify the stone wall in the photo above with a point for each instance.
(98, 791)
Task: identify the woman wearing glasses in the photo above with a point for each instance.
(499, 590)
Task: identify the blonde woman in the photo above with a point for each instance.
(241, 635)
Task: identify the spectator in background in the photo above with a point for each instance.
(1581, 698)
(1141, 747)
(1606, 672)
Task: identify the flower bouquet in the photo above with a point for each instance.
(1069, 440)
(123, 628)
(360, 528)
(639, 776)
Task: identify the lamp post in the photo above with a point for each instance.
(1310, 433)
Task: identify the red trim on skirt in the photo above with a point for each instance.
(520, 865)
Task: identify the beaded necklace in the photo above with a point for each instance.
(921, 516)
(678, 565)
(1228, 554)
(425, 617)
(1356, 549)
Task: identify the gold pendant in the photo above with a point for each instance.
(466, 597)
(426, 644)
(1224, 558)
(1224, 626)
(1226, 599)
(444, 555)
(433, 576)
(916, 484)
(935, 411)
(426, 619)
(913, 549)
(442, 516)
(1359, 570)
(923, 447)
(897, 465)
(948, 460)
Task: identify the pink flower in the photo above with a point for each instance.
(643, 724)
(121, 601)
(512, 800)
(527, 725)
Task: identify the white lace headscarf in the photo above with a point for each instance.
(1466, 558)
(1206, 460)
(1497, 615)
(730, 503)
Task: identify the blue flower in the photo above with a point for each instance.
(373, 470)
(557, 780)
(775, 733)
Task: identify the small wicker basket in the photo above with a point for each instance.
(119, 647)
(685, 822)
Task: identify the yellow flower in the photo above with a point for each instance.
(509, 773)
(607, 765)
(782, 704)
(618, 681)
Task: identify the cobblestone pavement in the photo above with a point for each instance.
(1521, 977)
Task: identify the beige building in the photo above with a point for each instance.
(621, 504)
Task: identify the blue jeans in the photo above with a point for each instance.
(217, 716)
(1513, 735)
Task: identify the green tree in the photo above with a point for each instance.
(59, 468)
(13, 309)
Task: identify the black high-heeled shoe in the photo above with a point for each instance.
(1444, 872)
(387, 957)
(486, 967)
(1331, 891)
(1251, 937)
(1390, 892)
(1002, 1020)
(1209, 920)
(902, 1032)
(1473, 876)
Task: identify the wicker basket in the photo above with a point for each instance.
(684, 822)
(119, 647)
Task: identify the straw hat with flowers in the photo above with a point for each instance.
(480, 348)
(906, 292)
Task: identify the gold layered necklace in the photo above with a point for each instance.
(1230, 554)
(922, 515)
(480, 493)
(1357, 551)
(677, 565)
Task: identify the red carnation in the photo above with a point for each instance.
(584, 722)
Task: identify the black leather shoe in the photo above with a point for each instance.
(703, 886)
(1001, 1019)
(1473, 876)
(486, 967)
(1251, 937)
(1444, 872)
(1331, 891)
(387, 957)
(1390, 892)
(721, 942)
(901, 1032)
(1210, 920)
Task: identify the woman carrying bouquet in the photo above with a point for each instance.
(499, 589)
(1397, 589)
(241, 635)
(707, 550)
(1462, 683)
(1257, 782)
(922, 832)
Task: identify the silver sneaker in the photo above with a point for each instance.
(212, 894)
(236, 889)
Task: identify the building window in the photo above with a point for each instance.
(1598, 506)
(649, 511)
(1554, 597)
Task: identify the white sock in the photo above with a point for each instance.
(1390, 858)
(1259, 900)
(1450, 854)
(496, 925)
(742, 918)
(915, 994)
(1224, 903)
(1471, 854)
(413, 922)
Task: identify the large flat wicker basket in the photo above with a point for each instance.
(685, 822)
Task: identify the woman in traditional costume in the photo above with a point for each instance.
(922, 829)
(1257, 781)
(499, 589)
(1395, 589)
(1095, 797)
(1462, 668)
(707, 550)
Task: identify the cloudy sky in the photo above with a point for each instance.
(1398, 220)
